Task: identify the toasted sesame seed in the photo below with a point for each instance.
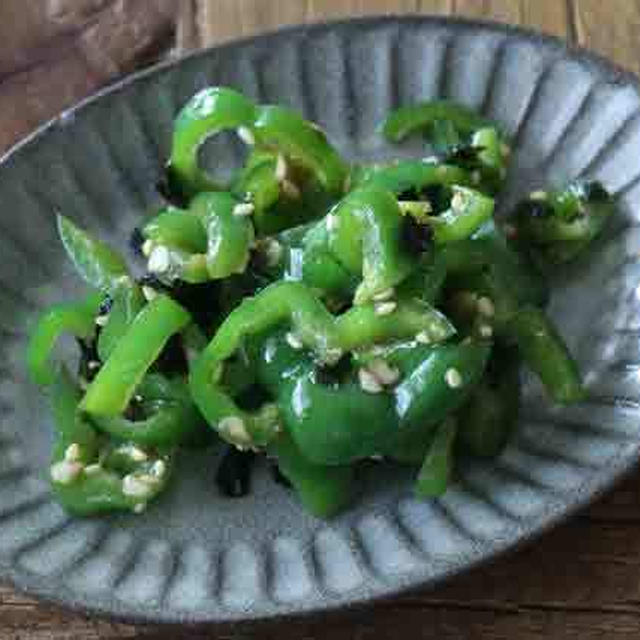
(243, 209)
(136, 486)
(65, 472)
(146, 248)
(485, 331)
(290, 190)
(281, 169)
(293, 340)
(92, 469)
(459, 200)
(149, 293)
(159, 260)
(72, 452)
(369, 382)
(139, 507)
(453, 378)
(538, 195)
(246, 135)
(386, 294)
(159, 468)
(332, 222)
(385, 308)
(272, 252)
(424, 337)
(384, 372)
(486, 307)
(101, 320)
(235, 429)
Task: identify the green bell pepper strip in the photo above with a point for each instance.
(436, 470)
(313, 326)
(172, 420)
(209, 112)
(177, 229)
(77, 318)
(406, 175)
(284, 131)
(82, 483)
(229, 236)
(490, 416)
(128, 301)
(468, 211)
(364, 234)
(564, 223)
(406, 120)
(545, 352)
(111, 390)
(95, 262)
(323, 491)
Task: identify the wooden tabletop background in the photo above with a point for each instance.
(581, 581)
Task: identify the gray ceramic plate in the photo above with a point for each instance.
(197, 557)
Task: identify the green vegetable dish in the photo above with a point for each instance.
(317, 312)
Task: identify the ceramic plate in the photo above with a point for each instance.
(194, 556)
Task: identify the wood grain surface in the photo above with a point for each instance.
(581, 581)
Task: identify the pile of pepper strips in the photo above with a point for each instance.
(318, 312)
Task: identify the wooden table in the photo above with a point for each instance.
(581, 580)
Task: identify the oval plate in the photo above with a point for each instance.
(197, 557)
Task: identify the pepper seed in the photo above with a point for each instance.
(65, 472)
(386, 294)
(146, 248)
(159, 260)
(281, 168)
(235, 429)
(424, 337)
(246, 135)
(293, 340)
(72, 452)
(384, 372)
(243, 209)
(486, 307)
(136, 486)
(368, 382)
(149, 293)
(485, 331)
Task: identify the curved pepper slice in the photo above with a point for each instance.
(81, 483)
(312, 326)
(284, 131)
(173, 417)
(177, 229)
(111, 390)
(77, 318)
(209, 112)
(95, 262)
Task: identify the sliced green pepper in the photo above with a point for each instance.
(435, 472)
(111, 390)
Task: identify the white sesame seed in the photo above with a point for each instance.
(453, 378)
(273, 252)
(159, 468)
(538, 195)
(459, 201)
(139, 507)
(65, 472)
(385, 373)
(72, 452)
(485, 307)
(290, 190)
(159, 260)
(505, 150)
(149, 293)
(246, 135)
(243, 209)
(368, 382)
(385, 308)
(235, 429)
(385, 294)
(332, 222)
(476, 177)
(293, 340)
(92, 469)
(136, 487)
(281, 168)
(424, 337)
(102, 320)
(146, 248)
(485, 331)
